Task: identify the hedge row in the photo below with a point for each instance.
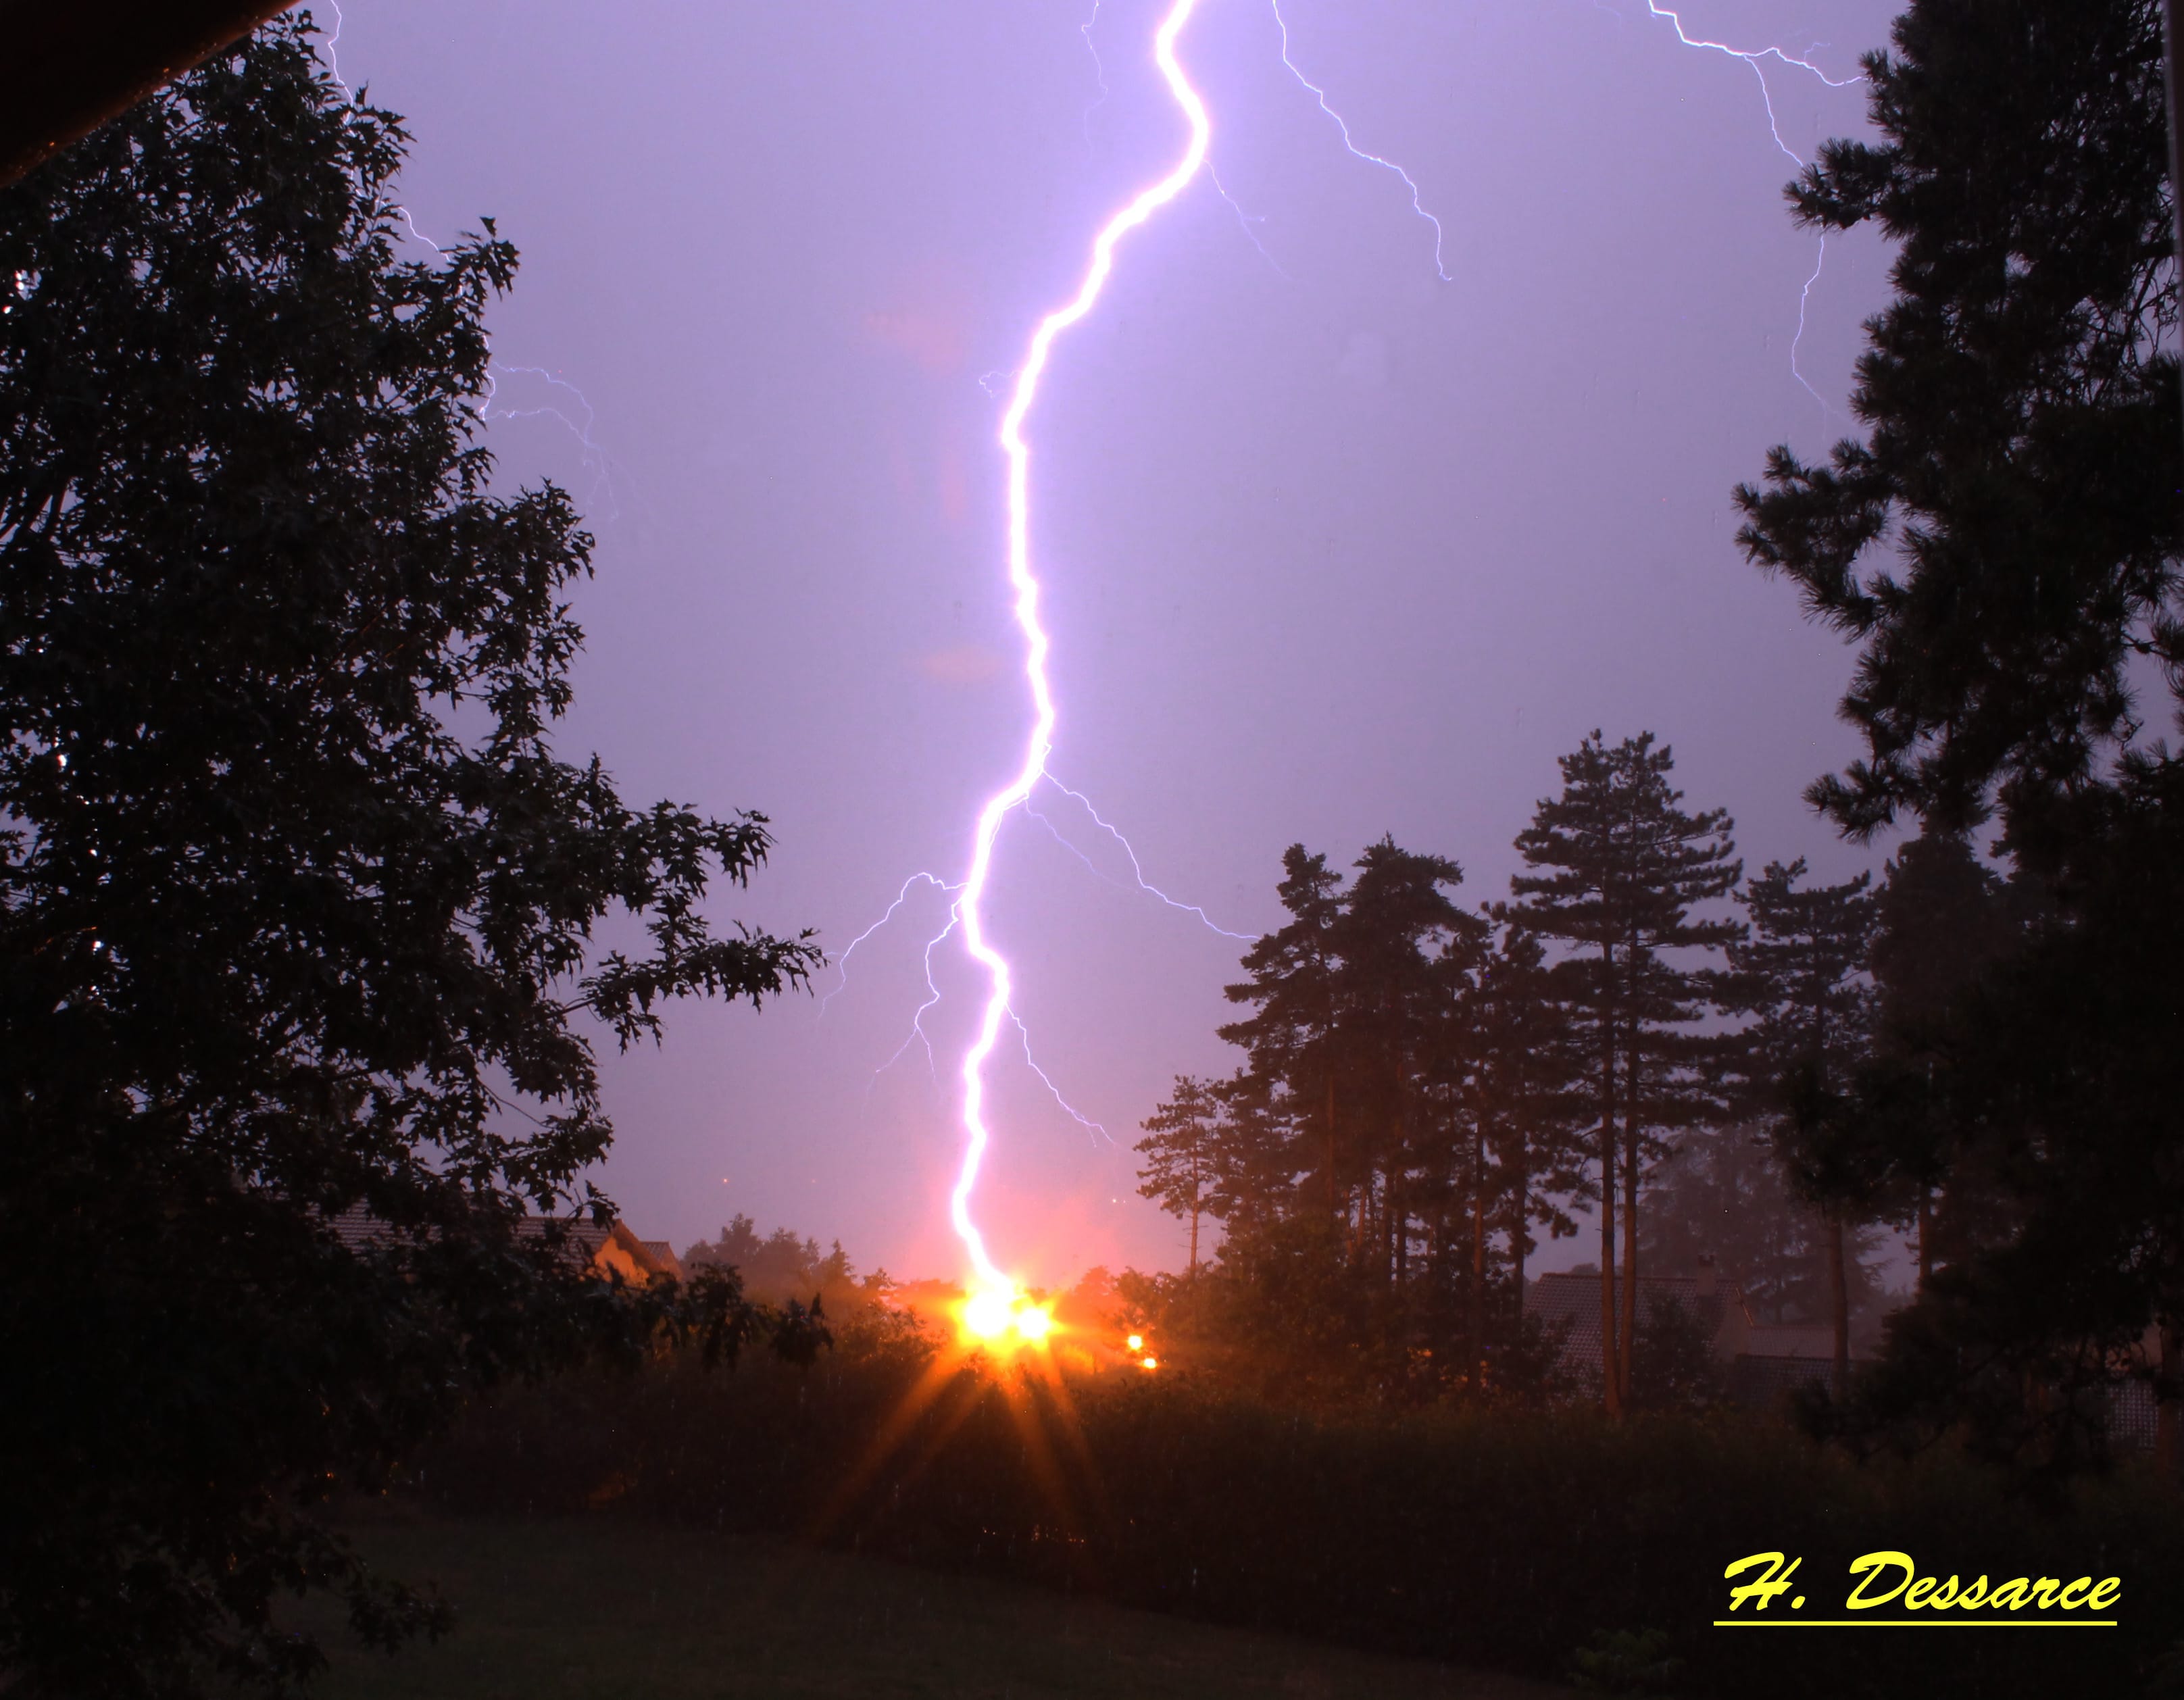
(1503, 1539)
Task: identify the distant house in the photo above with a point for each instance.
(611, 1248)
(1763, 1361)
(663, 1256)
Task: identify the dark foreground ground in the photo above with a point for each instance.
(603, 1607)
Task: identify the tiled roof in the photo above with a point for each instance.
(1760, 1382)
(358, 1229)
(2131, 1417)
(1791, 1340)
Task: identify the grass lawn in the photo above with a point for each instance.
(590, 1608)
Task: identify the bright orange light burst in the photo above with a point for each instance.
(1149, 1362)
(1137, 1342)
(1003, 1319)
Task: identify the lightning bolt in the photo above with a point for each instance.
(842, 961)
(965, 911)
(1099, 69)
(1137, 869)
(969, 905)
(1752, 56)
(1342, 125)
(596, 458)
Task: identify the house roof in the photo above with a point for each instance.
(663, 1255)
(1791, 1340)
(1760, 1382)
(357, 1229)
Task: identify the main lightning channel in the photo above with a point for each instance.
(1025, 583)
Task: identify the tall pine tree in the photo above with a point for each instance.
(2002, 546)
(1183, 1151)
(1622, 869)
(1804, 967)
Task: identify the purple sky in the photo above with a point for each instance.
(1332, 548)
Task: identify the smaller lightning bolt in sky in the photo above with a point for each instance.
(1319, 94)
(597, 461)
(1752, 57)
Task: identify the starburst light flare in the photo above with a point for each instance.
(1025, 583)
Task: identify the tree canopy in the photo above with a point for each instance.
(1621, 870)
(2002, 545)
(297, 899)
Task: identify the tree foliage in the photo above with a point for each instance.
(2020, 462)
(1622, 869)
(1724, 1193)
(296, 900)
(1379, 1161)
(1184, 1154)
(2002, 546)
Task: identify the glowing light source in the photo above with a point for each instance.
(1003, 1318)
(1137, 1342)
(1148, 1363)
(986, 1314)
(1025, 583)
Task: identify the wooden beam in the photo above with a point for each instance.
(66, 66)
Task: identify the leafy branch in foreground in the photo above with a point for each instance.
(296, 900)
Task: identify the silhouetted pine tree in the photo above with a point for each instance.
(2002, 547)
(1804, 976)
(1623, 868)
(1290, 1039)
(1402, 946)
(1183, 1154)
(1524, 1117)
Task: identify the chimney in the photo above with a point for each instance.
(1708, 1285)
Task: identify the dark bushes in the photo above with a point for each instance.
(1493, 1538)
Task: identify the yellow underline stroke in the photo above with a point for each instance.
(1914, 1623)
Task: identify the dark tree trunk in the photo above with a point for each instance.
(2168, 1417)
(1333, 1198)
(1838, 1303)
(1519, 1221)
(1611, 1374)
(1630, 1137)
(1476, 1319)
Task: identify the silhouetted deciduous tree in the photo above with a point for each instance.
(296, 899)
